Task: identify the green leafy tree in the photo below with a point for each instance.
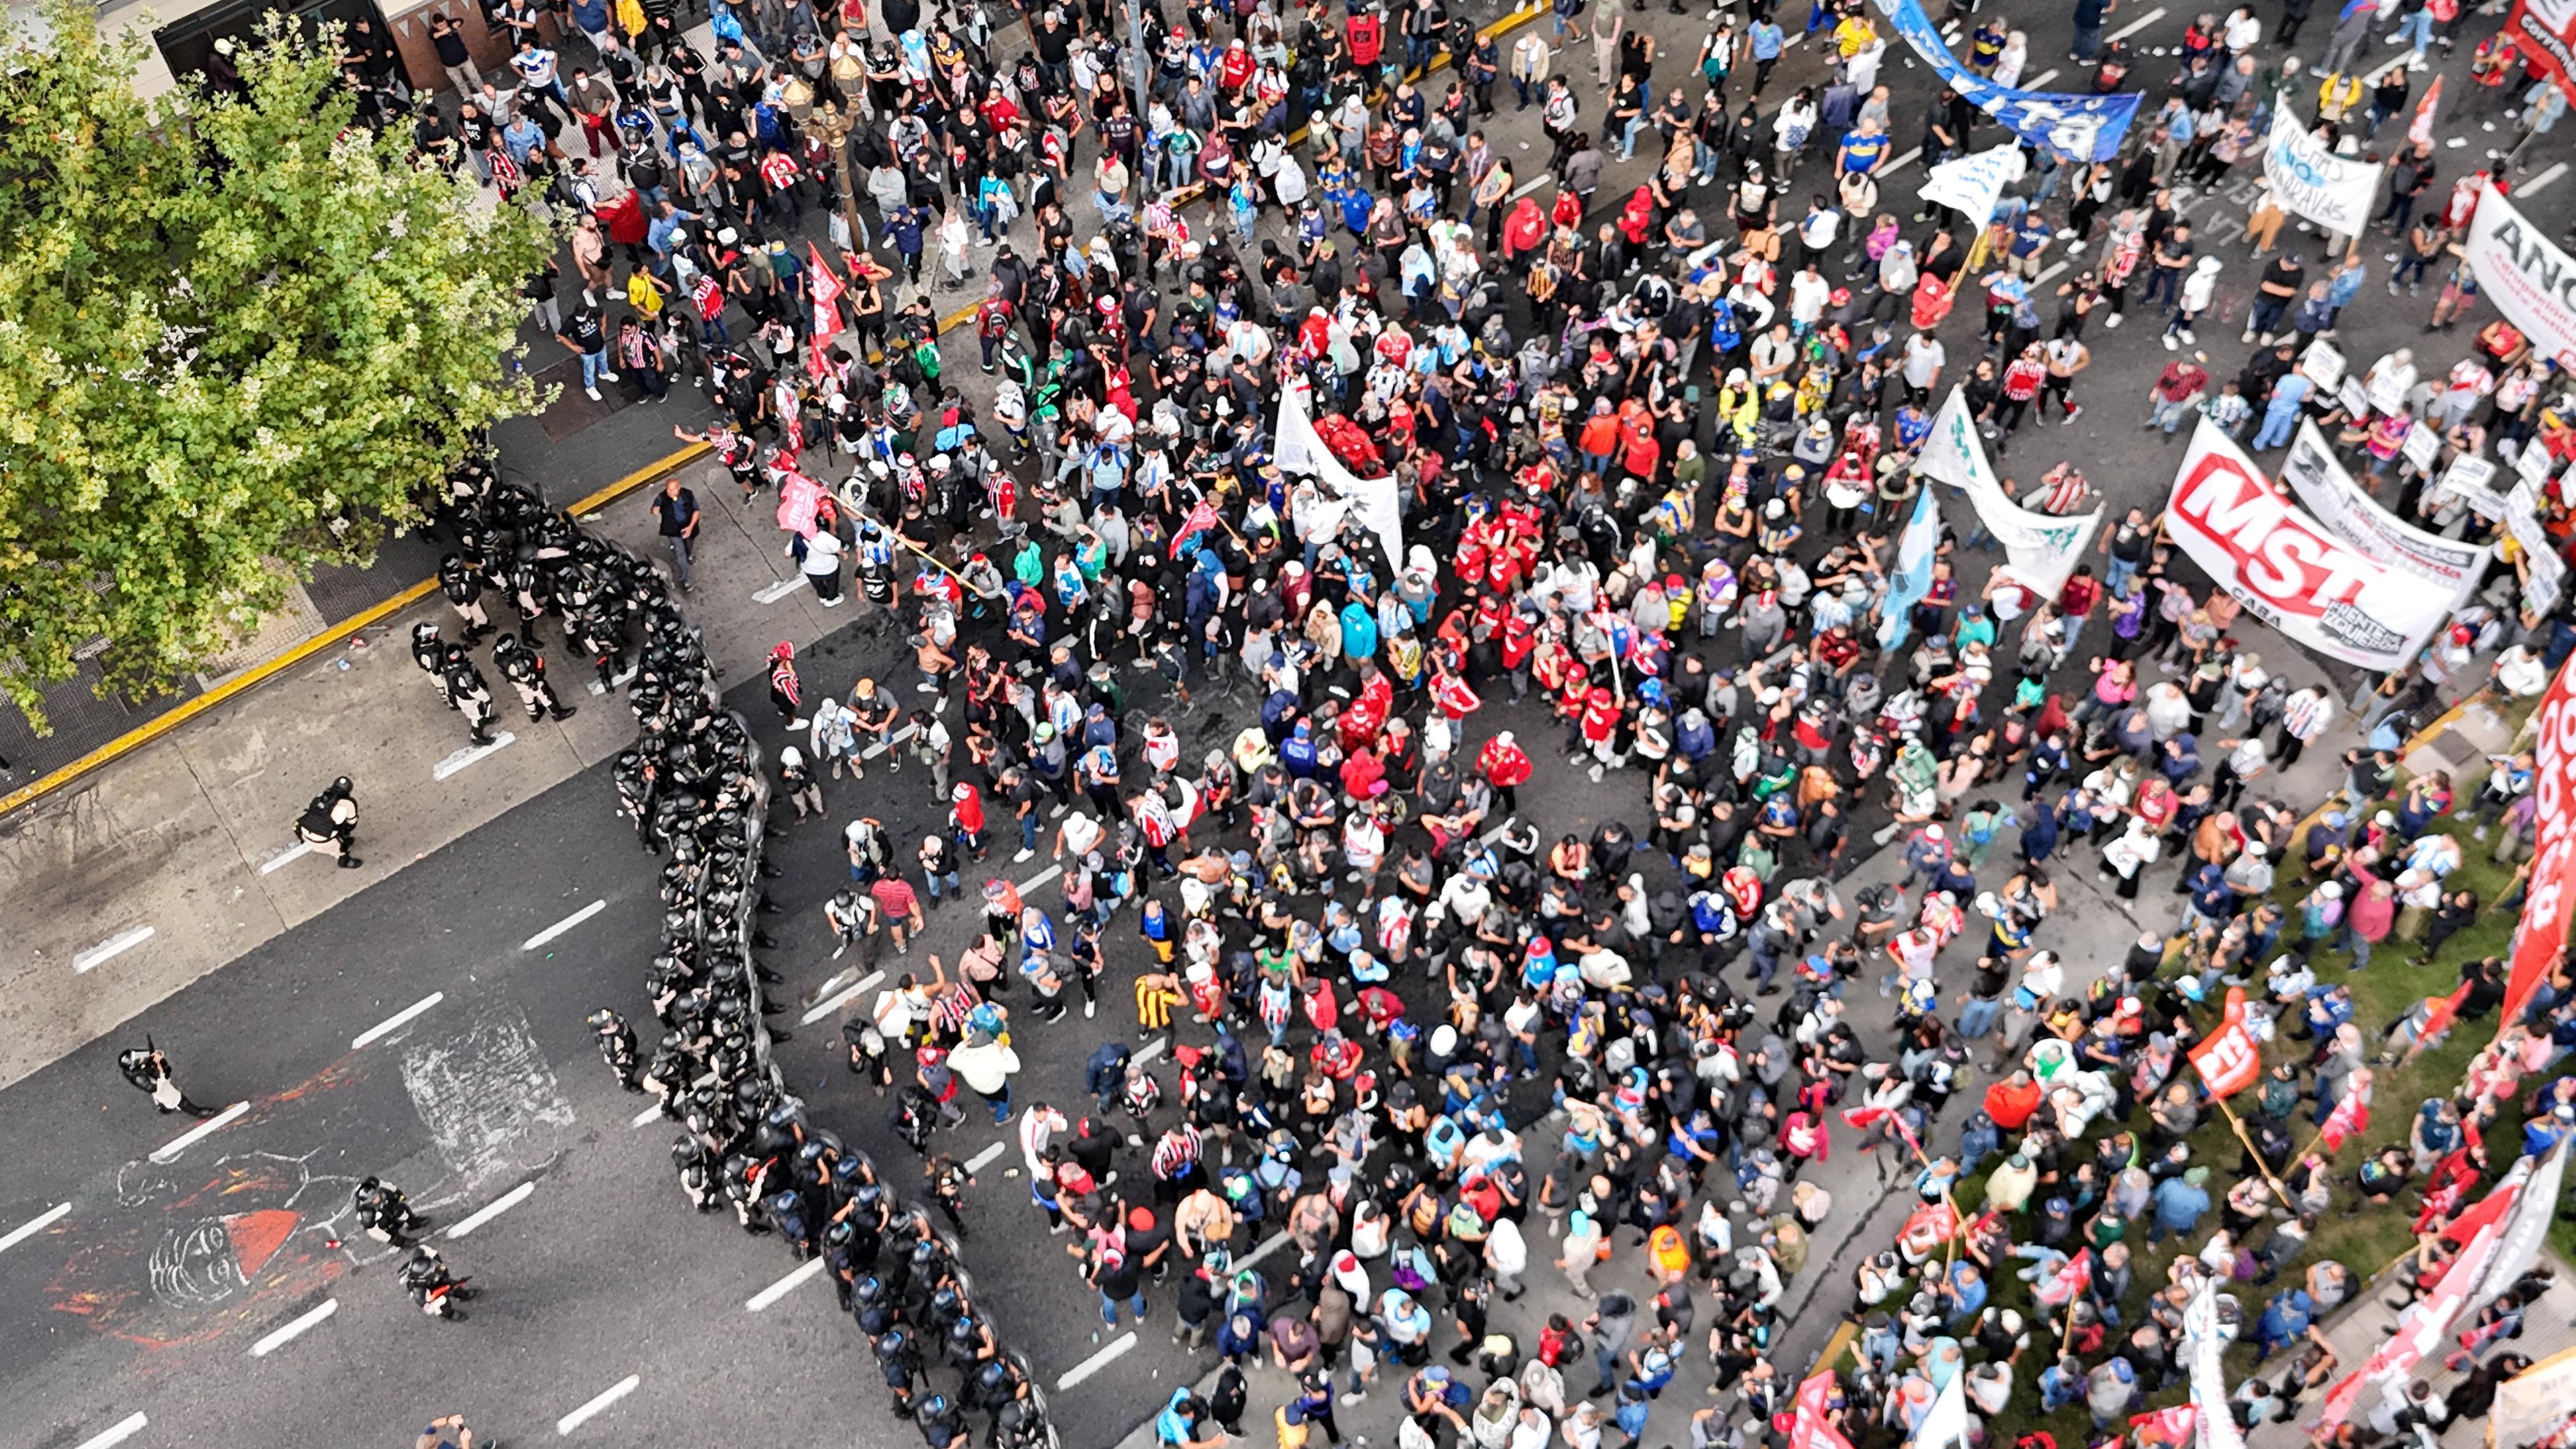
(236, 336)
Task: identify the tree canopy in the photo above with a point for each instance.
(236, 335)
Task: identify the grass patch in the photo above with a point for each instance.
(2365, 1243)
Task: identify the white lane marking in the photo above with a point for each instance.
(1794, 41)
(285, 858)
(1051, 872)
(1152, 1050)
(566, 924)
(2556, 170)
(844, 997)
(1108, 1354)
(397, 1019)
(1532, 188)
(984, 1159)
(294, 1329)
(2134, 26)
(133, 936)
(2048, 273)
(898, 737)
(647, 1115)
(170, 1150)
(470, 754)
(118, 1435)
(1901, 162)
(775, 592)
(499, 1205)
(784, 1286)
(1268, 1246)
(2040, 80)
(23, 1233)
(574, 1420)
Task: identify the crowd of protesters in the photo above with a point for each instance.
(1651, 450)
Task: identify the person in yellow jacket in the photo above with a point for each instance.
(2338, 95)
(1739, 404)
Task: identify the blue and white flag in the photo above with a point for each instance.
(1911, 577)
(2087, 128)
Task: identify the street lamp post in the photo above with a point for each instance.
(834, 126)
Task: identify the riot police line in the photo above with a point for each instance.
(692, 784)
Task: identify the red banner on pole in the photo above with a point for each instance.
(2550, 893)
(2545, 33)
(1809, 1428)
(2229, 1061)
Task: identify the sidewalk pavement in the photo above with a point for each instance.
(2548, 1327)
(180, 856)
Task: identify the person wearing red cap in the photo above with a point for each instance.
(1506, 767)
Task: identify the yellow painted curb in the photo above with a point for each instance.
(266, 670)
(1844, 1333)
(637, 479)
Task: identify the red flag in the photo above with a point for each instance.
(1808, 1427)
(2069, 1282)
(2229, 1061)
(2349, 1119)
(2420, 130)
(827, 316)
(827, 288)
(2448, 1185)
(2487, 1210)
(2164, 1427)
(2554, 852)
(1201, 518)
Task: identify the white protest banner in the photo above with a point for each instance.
(2473, 478)
(2354, 401)
(2423, 447)
(2548, 574)
(2323, 363)
(2288, 569)
(2533, 1403)
(2339, 503)
(1300, 451)
(2310, 180)
(2388, 389)
(2533, 464)
(1973, 184)
(2041, 548)
(2214, 1427)
(2528, 278)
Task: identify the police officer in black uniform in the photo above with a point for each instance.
(525, 668)
(462, 581)
(149, 1071)
(472, 695)
(616, 1046)
(430, 653)
(332, 820)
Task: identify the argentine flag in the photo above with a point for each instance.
(1911, 578)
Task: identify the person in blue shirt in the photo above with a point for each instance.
(1864, 150)
(2281, 412)
(1765, 40)
(2285, 1321)
(2212, 898)
(2180, 1203)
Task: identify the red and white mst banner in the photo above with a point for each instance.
(2288, 570)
